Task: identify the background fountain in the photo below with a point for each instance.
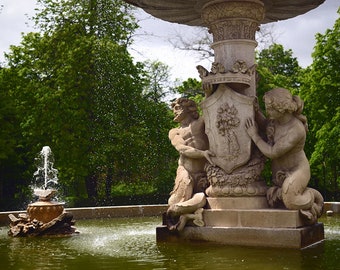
(45, 216)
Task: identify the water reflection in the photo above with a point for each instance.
(131, 244)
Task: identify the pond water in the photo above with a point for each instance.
(131, 244)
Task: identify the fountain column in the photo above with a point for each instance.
(233, 25)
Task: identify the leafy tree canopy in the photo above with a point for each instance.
(320, 90)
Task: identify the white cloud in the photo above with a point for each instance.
(13, 21)
(299, 33)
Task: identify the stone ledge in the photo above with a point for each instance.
(267, 218)
(333, 206)
(265, 237)
(117, 211)
(259, 202)
(102, 212)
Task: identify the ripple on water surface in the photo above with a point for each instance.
(131, 244)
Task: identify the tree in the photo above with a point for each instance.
(191, 88)
(13, 186)
(199, 40)
(158, 85)
(162, 159)
(77, 86)
(320, 90)
(277, 68)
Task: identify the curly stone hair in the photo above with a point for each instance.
(283, 101)
(188, 104)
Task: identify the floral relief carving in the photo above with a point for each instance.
(226, 123)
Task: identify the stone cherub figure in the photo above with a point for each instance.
(286, 134)
(189, 139)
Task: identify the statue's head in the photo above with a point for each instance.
(184, 106)
(281, 100)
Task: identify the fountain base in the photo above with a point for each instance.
(247, 221)
(42, 218)
(25, 226)
(247, 236)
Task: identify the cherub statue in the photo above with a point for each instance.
(191, 142)
(286, 136)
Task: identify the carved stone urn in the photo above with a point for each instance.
(44, 209)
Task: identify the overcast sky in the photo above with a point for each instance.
(297, 34)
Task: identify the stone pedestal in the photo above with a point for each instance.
(233, 24)
(247, 221)
(248, 236)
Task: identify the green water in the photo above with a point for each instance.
(131, 244)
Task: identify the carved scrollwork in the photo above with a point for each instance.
(239, 74)
(230, 20)
(231, 29)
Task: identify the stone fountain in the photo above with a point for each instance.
(45, 216)
(219, 194)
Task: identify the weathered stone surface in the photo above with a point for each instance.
(265, 218)
(225, 203)
(45, 211)
(61, 225)
(224, 151)
(189, 11)
(286, 129)
(225, 113)
(265, 237)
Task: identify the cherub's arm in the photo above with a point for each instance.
(186, 150)
(260, 119)
(280, 147)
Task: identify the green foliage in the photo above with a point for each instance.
(320, 90)
(134, 189)
(158, 85)
(7, 117)
(279, 61)
(277, 68)
(75, 88)
(100, 18)
(191, 88)
(12, 165)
